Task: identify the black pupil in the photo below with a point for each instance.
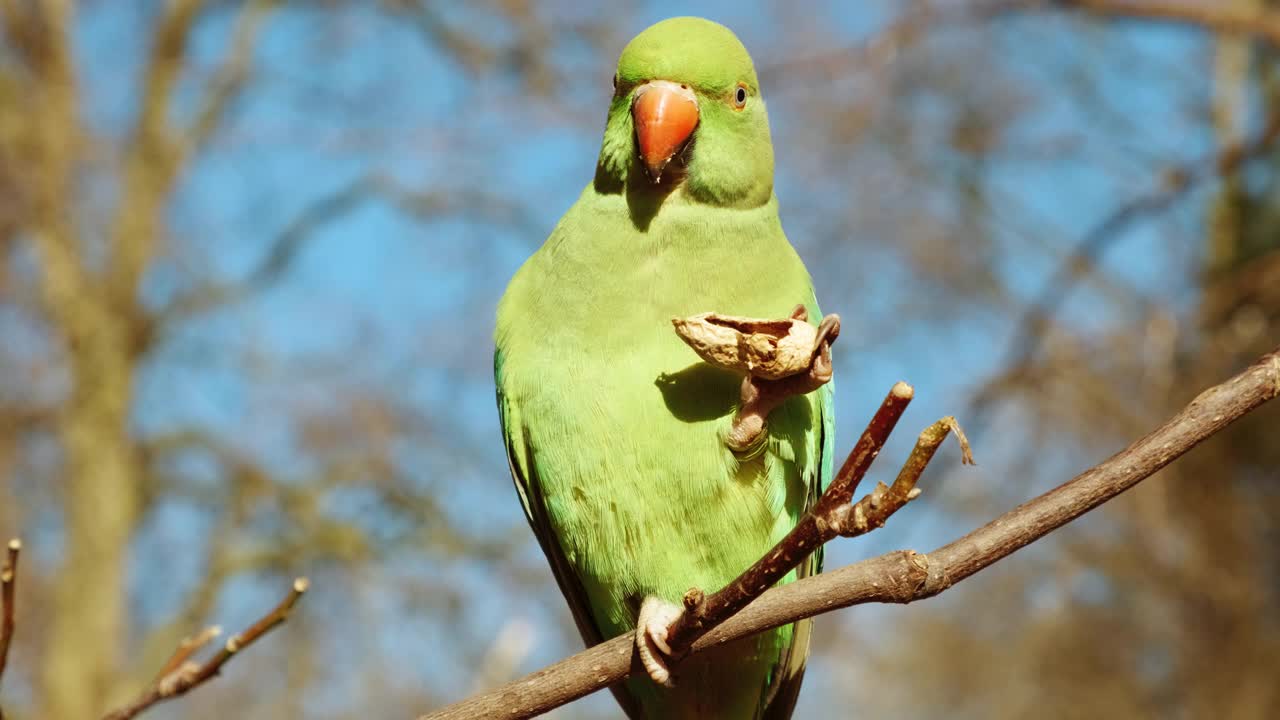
(742, 96)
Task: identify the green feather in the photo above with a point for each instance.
(615, 430)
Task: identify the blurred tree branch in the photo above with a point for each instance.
(904, 576)
(8, 582)
(1214, 16)
(46, 136)
(231, 76)
(917, 21)
(1176, 183)
(8, 607)
(180, 675)
(286, 246)
(153, 158)
(465, 47)
(922, 18)
(89, 283)
(158, 153)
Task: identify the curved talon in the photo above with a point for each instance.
(656, 616)
(821, 370)
(828, 331)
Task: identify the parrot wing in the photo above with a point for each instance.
(525, 476)
(792, 664)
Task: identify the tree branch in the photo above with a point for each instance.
(153, 157)
(188, 647)
(906, 30)
(231, 75)
(179, 675)
(816, 527)
(902, 576)
(8, 581)
(927, 17)
(159, 151)
(1215, 17)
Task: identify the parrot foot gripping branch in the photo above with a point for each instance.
(833, 515)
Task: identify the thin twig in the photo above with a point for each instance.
(810, 532)
(188, 647)
(182, 675)
(8, 583)
(874, 509)
(901, 576)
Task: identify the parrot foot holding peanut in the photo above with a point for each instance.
(780, 359)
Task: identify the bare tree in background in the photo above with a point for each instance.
(1166, 605)
(90, 225)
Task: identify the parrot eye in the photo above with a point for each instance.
(740, 97)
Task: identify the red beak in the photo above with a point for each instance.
(665, 115)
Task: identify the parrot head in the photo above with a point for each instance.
(687, 112)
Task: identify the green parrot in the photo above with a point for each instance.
(615, 431)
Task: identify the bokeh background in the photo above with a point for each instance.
(249, 259)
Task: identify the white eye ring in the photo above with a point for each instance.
(740, 97)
